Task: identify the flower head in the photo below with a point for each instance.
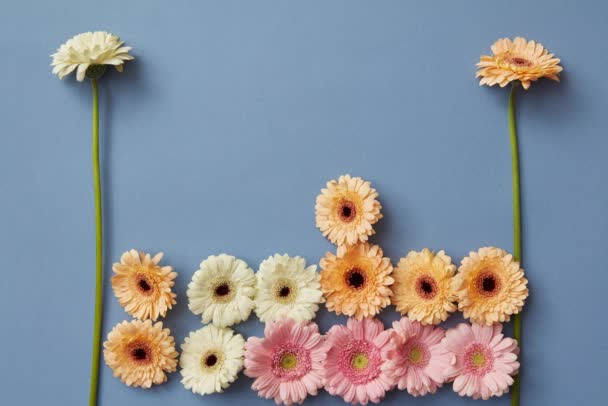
(356, 281)
(211, 359)
(423, 286)
(526, 61)
(417, 363)
(287, 288)
(347, 209)
(287, 363)
(222, 290)
(143, 287)
(355, 361)
(490, 286)
(88, 53)
(140, 353)
(483, 362)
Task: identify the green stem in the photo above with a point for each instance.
(98, 251)
(516, 223)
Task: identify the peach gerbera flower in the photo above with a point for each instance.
(140, 353)
(347, 209)
(490, 286)
(143, 287)
(526, 61)
(423, 286)
(356, 281)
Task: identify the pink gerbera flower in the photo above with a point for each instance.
(482, 362)
(418, 361)
(354, 362)
(287, 363)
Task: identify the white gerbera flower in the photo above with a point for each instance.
(90, 49)
(211, 359)
(222, 290)
(286, 288)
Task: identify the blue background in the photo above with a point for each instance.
(218, 137)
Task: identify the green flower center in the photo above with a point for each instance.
(289, 361)
(416, 355)
(95, 71)
(360, 361)
(478, 359)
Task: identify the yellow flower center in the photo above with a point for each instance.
(478, 359)
(360, 361)
(289, 361)
(416, 355)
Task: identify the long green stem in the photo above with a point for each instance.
(98, 251)
(516, 222)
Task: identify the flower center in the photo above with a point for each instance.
(211, 360)
(478, 359)
(426, 287)
(140, 352)
(285, 291)
(416, 355)
(288, 361)
(519, 62)
(95, 71)
(347, 211)
(360, 361)
(223, 291)
(355, 278)
(488, 284)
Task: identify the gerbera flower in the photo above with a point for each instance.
(356, 281)
(347, 209)
(287, 288)
(143, 287)
(140, 353)
(222, 290)
(357, 354)
(526, 61)
(423, 286)
(287, 363)
(211, 359)
(418, 362)
(490, 286)
(483, 361)
(89, 53)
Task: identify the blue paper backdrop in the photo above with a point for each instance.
(233, 116)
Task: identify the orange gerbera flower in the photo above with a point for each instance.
(526, 61)
(346, 210)
(356, 281)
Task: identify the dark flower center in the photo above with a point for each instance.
(139, 354)
(488, 283)
(144, 285)
(355, 278)
(517, 61)
(285, 291)
(347, 211)
(222, 290)
(211, 360)
(426, 287)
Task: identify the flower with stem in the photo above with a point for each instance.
(89, 54)
(516, 62)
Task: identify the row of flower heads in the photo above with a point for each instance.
(359, 361)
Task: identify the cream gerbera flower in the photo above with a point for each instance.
(526, 61)
(356, 281)
(211, 359)
(287, 288)
(140, 353)
(143, 287)
(423, 286)
(89, 53)
(222, 290)
(490, 286)
(347, 209)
